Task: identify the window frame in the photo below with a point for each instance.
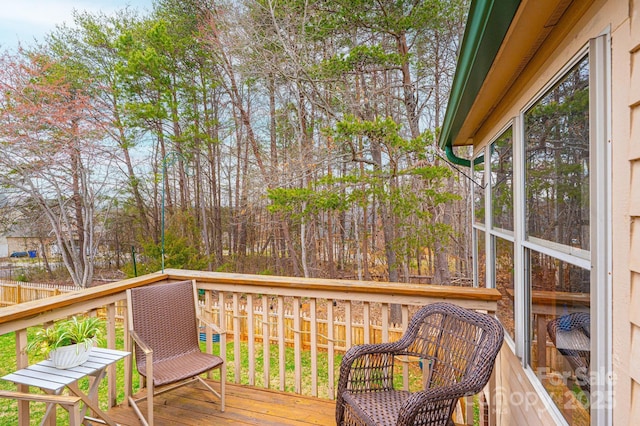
(490, 232)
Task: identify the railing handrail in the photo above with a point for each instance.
(37, 307)
(354, 286)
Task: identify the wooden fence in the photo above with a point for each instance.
(14, 292)
(240, 323)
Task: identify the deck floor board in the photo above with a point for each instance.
(193, 405)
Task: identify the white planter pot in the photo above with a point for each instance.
(70, 356)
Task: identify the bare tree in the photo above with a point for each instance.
(51, 153)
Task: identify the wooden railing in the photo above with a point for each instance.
(315, 317)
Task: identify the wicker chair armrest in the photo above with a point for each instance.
(140, 342)
(366, 367)
(214, 327)
(427, 400)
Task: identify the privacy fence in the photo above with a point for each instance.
(14, 292)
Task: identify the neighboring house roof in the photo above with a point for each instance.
(20, 231)
(500, 40)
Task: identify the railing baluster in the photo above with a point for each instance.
(297, 345)
(207, 307)
(281, 347)
(207, 313)
(405, 361)
(385, 323)
(251, 341)
(236, 338)
(222, 320)
(330, 349)
(111, 343)
(366, 319)
(22, 361)
(314, 346)
(348, 322)
(266, 342)
(128, 364)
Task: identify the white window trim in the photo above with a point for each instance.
(601, 233)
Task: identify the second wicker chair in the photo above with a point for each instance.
(458, 348)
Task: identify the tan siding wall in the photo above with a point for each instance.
(634, 308)
(635, 394)
(517, 402)
(634, 367)
(634, 149)
(631, 384)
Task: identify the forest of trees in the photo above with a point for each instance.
(279, 137)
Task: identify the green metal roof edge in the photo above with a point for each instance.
(487, 24)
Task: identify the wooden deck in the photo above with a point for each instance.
(192, 405)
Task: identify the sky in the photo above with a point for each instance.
(22, 21)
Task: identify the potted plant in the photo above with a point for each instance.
(68, 342)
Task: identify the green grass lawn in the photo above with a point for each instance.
(274, 368)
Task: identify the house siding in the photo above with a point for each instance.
(4, 246)
(630, 385)
(517, 402)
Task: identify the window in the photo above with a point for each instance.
(481, 255)
(557, 162)
(538, 242)
(480, 250)
(504, 264)
(502, 220)
(478, 193)
(557, 211)
(502, 182)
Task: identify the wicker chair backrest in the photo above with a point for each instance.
(164, 316)
(575, 329)
(452, 341)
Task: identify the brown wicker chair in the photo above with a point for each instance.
(458, 347)
(163, 324)
(571, 335)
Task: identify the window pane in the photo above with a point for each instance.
(504, 283)
(560, 325)
(478, 192)
(481, 259)
(502, 181)
(557, 162)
